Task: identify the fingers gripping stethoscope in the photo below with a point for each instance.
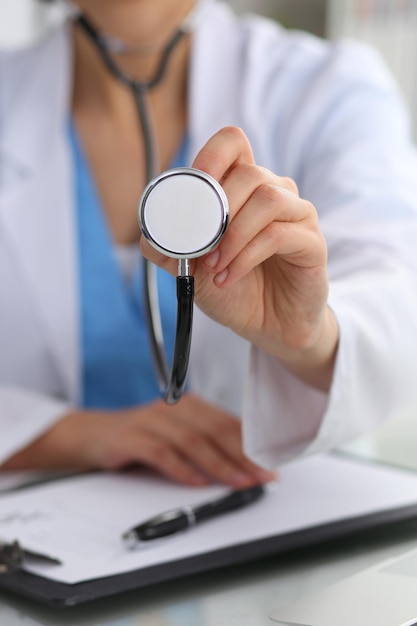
(183, 213)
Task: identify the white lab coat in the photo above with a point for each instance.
(329, 116)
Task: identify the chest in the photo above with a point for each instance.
(116, 155)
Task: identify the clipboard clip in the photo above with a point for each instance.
(12, 556)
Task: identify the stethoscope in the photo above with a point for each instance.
(183, 213)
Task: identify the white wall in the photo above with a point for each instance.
(309, 15)
(390, 26)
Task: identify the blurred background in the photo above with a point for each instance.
(390, 25)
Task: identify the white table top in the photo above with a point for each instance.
(243, 595)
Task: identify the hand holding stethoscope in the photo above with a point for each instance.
(267, 277)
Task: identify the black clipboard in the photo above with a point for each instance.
(59, 594)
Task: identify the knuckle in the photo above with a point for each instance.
(310, 216)
(158, 450)
(310, 209)
(251, 173)
(290, 184)
(311, 212)
(268, 196)
(192, 442)
(272, 233)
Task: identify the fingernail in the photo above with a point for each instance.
(240, 479)
(212, 259)
(220, 278)
(264, 475)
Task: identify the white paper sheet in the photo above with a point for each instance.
(80, 520)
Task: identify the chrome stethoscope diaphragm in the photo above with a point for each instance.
(183, 213)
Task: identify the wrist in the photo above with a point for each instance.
(314, 363)
(63, 446)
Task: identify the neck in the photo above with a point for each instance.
(143, 26)
(104, 110)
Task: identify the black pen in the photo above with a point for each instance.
(177, 520)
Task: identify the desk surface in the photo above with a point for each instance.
(244, 595)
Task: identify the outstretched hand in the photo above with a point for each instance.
(267, 279)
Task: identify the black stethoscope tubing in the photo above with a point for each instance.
(171, 383)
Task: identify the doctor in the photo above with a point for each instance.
(307, 309)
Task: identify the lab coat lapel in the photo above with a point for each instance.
(36, 212)
(37, 218)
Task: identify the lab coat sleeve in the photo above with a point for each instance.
(374, 376)
(357, 164)
(24, 416)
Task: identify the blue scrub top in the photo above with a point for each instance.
(117, 365)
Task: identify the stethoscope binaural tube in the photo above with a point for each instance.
(171, 381)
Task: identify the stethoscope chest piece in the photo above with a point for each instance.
(183, 213)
